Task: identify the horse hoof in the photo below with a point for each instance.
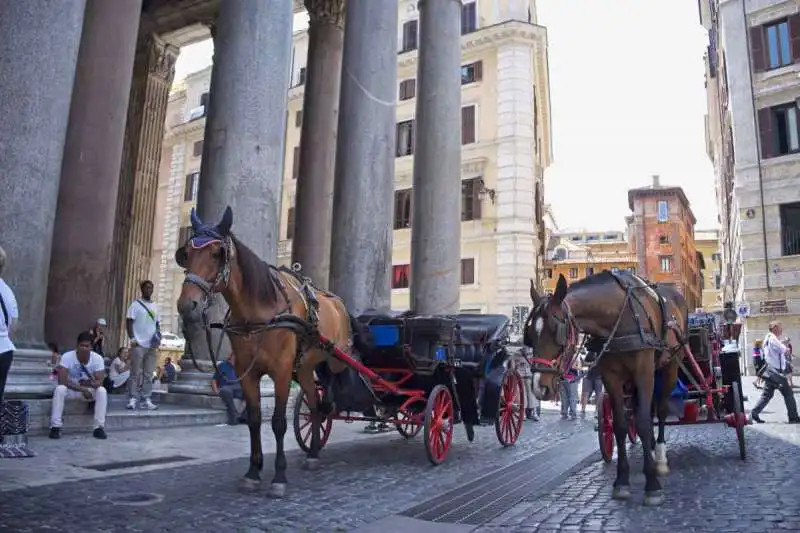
(277, 490)
(621, 493)
(662, 469)
(653, 499)
(311, 464)
(251, 484)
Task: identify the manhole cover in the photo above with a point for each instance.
(137, 498)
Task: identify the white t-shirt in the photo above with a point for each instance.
(75, 373)
(144, 326)
(13, 315)
(774, 352)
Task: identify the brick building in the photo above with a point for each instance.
(661, 234)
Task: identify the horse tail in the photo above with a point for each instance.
(362, 337)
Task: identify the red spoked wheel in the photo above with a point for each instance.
(605, 427)
(510, 409)
(302, 421)
(438, 424)
(410, 419)
(740, 417)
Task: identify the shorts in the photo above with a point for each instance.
(758, 363)
(591, 385)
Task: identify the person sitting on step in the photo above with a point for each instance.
(226, 384)
(80, 376)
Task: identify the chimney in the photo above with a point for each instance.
(656, 181)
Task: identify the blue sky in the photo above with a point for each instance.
(627, 101)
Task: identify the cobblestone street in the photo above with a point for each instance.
(365, 484)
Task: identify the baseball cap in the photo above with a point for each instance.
(101, 322)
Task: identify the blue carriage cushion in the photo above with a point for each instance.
(385, 335)
(680, 390)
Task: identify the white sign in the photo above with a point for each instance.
(743, 310)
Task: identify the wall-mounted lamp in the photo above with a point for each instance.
(483, 192)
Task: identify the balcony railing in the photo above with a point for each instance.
(791, 241)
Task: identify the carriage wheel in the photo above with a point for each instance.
(511, 406)
(605, 427)
(302, 421)
(438, 424)
(740, 419)
(408, 426)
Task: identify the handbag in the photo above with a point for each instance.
(773, 377)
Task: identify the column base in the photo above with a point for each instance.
(192, 381)
(29, 377)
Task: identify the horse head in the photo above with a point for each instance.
(551, 332)
(206, 257)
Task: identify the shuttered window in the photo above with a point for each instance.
(408, 89)
(779, 130)
(401, 276)
(402, 209)
(296, 162)
(405, 138)
(468, 271)
(472, 73)
(197, 148)
(290, 223)
(775, 44)
(469, 18)
(470, 199)
(468, 124)
(191, 186)
(183, 235)
(298, 119)
(409, 36)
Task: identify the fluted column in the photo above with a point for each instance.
(436, 196)
(311, 245)
(81, 260)
(153, 71)
(361, 251)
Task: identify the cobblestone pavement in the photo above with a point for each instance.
(358, 482)
(708, 490)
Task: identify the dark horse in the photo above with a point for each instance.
(642, 325)
(270, 313)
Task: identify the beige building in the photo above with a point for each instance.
(707, 245)
(753, 132)
(506, 148)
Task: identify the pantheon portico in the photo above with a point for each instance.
(83, 98)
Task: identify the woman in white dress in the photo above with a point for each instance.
(120, 369)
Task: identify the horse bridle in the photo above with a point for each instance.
(565, 332)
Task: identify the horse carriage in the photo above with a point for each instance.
(708, 390)
(421, 373)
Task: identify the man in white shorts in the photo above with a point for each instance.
(80, 376)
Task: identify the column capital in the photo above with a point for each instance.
(161, 58)
(325, 12)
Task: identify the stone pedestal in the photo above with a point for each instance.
(84, 229)
(38, 52)
(311, 246)
(30, 375)
(436, 196)
(361, 259)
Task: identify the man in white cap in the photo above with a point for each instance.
(99, 336)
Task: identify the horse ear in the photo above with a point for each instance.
(226, 222)
(535, 298)
(561, 290)
(196, 222)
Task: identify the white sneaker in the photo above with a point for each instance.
(150, 406)
(131, 404)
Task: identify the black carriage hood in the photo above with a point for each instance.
(477, 329)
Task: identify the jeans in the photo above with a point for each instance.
(62, 393)
(769, 392)
(569, 398)
(5, 366)
(143, 364)
(531, 401)
(228, 394)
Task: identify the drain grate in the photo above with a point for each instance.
(105, 467)
(485, 498)
(136, 499)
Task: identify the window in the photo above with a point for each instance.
(632, 270)
(576, 238)
(410, 36)
(771, 45)
(663, 238)
(716, 257)
(183, 235)
(589, 271)
(204, 102)
(717, 280)
(296, 162)
(301, 78)
(472, 72)
(400, 276)
(790, 228)
(405, 138)
(548, 273)
(468, 271)
(408, 89)
(591, 237)
(471, 199)
(468, 124)
(663, 211)
(573, 273)
(561, 254)
(197, 148)
(610, 237)
(402, 209)
(298, 119)
(666, 263)
(778, 129)
(469, 18)
(191, 187)
(290, 223)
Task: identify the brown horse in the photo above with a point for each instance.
(642, 327)
(274, 315)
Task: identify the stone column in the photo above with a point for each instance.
(361, 255)
(153, 71)
(38, 54)
(436, 196)
(84, 230)
(311, 246)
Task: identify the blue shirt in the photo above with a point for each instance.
(226, 375)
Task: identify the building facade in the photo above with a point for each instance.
(707, 244)
(576, 255)
(661, 233)
(505, 146)
(754, 143)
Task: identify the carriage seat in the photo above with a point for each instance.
(478, 335)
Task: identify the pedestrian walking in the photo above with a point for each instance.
(569, 394)
(758, 363)
(774, 374)
(533, 407)
(144, 331)
(9, 314)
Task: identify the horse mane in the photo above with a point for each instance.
(595, 280)
(256, 273)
